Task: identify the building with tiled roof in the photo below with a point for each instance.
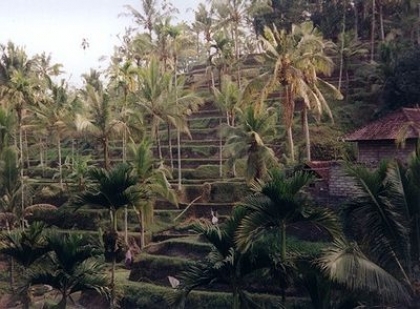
(394, 136)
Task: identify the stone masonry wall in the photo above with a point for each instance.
(341, 184)
(373, 152)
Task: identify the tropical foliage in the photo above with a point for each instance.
(250, 66)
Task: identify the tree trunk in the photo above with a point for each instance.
(63, 302)
(142, 230)
(124, 146)
(289, 111)
(112, 298)
(126, 225)
(372, 32)
(343, 34)
(114, 259)
(381, 22)
(171, 158)
(60, 167)
(236, 297)
(105, 147)
(159, 146)
(306, 132)
(220, 151)
(178, 140)
(283, 253)
(41, 156)
(22, 195)
(12, 274)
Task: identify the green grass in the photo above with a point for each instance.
(150, 296)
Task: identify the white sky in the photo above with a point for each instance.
(58, 27)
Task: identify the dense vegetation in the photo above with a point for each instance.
(116, 145)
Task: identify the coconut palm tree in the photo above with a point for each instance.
(235, 15)
(317, 63)
(151, 177)
(71, 266)
(345, 264)
(112, 190)
(124, 78)
(228, 99)
(249, 139)
(100, 122)
(17, 89)
(382, 224)
(152, 96)
(148, 18)
(296, 58)
(279, 203)
(55, 115)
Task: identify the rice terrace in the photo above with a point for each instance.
(264, 154)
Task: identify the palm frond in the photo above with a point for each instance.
(345, 264)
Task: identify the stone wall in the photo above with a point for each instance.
(372, 152)
(340, 183)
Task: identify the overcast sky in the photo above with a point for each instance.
(59, 26)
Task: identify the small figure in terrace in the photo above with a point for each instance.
(214, 219)
(128, 259)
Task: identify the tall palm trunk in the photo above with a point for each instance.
(63, 302)
(305, 127)
(283, 244)
(372, 31)
(142, 229)
(178, 132)
(114, 258)
(178, 139)
(126, 225)
(41, 155)
(289, 110)
(22, 184)
(124, 150)
(343, 32)
(220, 151)
(105, 148)
(159, 146)
(171, 157)
(60, 167)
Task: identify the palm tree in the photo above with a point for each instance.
(344, 263)
(381, 219)
(235, 15)
(296, 58)
(102, 123)
(149, 16)
(406, 181)
(277, 204)
(225, 264)
(228, 99)
(152, 96)
(112, 190)
(53, 116)
(71, 266)
(317, 62)
(24, 247)
(17, 90)
(248, 139)
(151, 177)
(125, 78)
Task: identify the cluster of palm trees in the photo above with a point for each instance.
(67, 263)
(370, 257)
(146, 94)
(143, 91)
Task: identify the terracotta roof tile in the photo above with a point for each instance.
(321, 168)
(390, 127)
